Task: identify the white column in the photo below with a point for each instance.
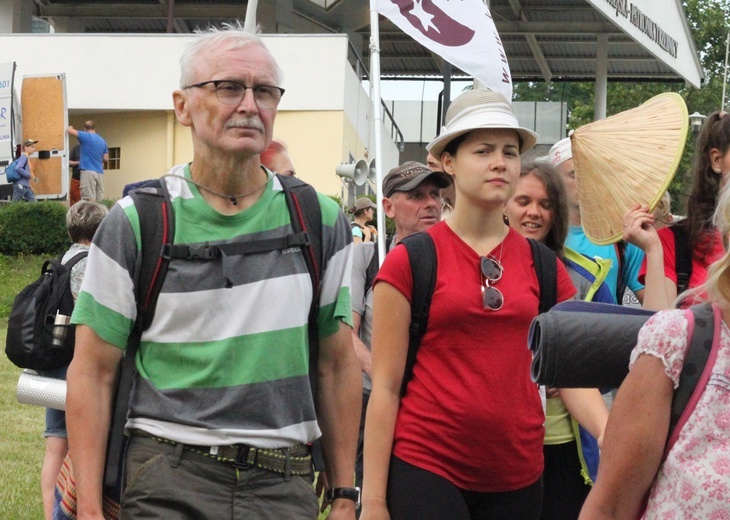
(601, 87)
(16, 16)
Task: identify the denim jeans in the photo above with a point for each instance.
(22, 192)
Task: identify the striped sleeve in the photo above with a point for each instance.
(334, 298)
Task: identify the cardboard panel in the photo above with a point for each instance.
(44, 118)
(46, 171)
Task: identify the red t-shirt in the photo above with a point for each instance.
(471, 413)
(699, 265)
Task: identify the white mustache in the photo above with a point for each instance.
(249, 122)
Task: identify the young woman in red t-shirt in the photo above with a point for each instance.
(710, 172)
(465, 441)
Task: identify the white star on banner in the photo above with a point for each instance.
(424, 17)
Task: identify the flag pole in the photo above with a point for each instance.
(724, 78)
(377, 123)
(249, 24)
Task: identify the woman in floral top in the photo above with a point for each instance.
(694, 480)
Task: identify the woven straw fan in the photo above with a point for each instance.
(626, 159)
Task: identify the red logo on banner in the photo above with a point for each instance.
(433, 23)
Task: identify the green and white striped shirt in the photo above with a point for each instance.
(226, 358)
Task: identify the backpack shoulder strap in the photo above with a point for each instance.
(620, 247)
(703, 340)
(682, 256)
(546, 269)
(423, 262)
(75, 259)
(157, 230)
(156, 220)
(372, 270)
(306, 217)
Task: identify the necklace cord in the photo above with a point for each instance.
(233, 198)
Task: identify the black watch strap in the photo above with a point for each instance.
(344, 492)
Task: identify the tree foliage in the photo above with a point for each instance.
(707, 22)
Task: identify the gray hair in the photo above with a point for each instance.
(231, 34)
(83, 219)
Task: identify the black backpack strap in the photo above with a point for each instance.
(75, 259)
(695, 360)
(620, 247)
(546, 270)
(372, 270)
(682, 256)
(156, 222)
(157, 228)
(306, 218)
(422, 258)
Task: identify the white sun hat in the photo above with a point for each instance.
(479, 109)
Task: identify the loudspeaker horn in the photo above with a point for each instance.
(372, 174)
(357, 172)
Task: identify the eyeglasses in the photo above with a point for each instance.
(229, 92)
(491, 273)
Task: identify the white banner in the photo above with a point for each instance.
(7, 71)
(460, 31)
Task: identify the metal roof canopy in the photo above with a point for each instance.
(545, 40)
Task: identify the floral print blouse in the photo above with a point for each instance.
(694, 481)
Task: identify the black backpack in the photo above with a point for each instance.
(29, 342)
(156, 218)
(682, 255)
(422, 259)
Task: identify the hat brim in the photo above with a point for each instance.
(626, 159)
(442, 180)
(437, 146)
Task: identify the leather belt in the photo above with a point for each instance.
(296, 460)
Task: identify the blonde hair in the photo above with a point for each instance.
(83, 219)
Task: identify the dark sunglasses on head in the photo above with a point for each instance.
(491, 273)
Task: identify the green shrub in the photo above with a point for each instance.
(33, 229)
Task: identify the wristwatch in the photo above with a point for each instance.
(344, 492)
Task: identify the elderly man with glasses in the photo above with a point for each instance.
(221, 415)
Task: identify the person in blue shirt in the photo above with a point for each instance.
(625, 258)
(94, 155)
(21, 187)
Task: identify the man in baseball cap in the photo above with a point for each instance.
(412, 198)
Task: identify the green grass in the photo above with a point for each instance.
(21, 426)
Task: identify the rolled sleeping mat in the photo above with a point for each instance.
(584, 344)
(39, 390)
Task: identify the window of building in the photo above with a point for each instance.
(115, 159)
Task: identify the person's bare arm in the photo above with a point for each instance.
(91, 380)
(586, 406)
(72, 131)
(659, 291)
(391, 318)
(361, 350)
(633, 443)
(339, 406)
